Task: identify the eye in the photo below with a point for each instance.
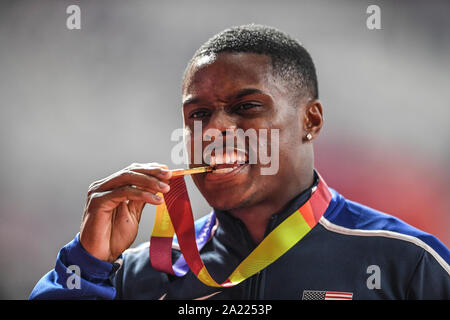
(199, 114)
(243, 107)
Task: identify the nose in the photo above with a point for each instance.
(221, 123)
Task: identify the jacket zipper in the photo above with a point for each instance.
(256, 292)
(254, 289)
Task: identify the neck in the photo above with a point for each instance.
(257, 217)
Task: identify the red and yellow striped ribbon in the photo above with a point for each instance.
(175, 216)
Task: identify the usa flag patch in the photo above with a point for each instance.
(326, 295)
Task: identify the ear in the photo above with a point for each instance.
(312, 120)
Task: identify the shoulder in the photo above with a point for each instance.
(354, 219)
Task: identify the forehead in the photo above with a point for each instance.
(227, 72)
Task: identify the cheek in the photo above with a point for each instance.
(290, 146)
(289, 135)
(189, 144)
(291, 129)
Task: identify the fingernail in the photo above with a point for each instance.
(164, 171)
(163, 185)
(156, 197)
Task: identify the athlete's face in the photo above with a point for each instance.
(238, 91)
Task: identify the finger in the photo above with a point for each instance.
(132, 178)
(136, 208)
(161, 173)
(152, 169)
(112, 198)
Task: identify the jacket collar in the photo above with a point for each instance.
(232, 230)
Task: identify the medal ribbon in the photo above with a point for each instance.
(175, 216)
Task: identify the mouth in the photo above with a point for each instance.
(227, 165)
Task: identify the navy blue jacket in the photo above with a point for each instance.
(354, 250)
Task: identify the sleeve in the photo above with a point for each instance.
(77, 275)
(431, 279)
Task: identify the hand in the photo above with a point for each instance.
(114, 206)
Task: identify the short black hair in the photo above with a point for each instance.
(290, 60)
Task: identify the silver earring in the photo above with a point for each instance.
(309, 136)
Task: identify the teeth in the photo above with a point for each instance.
(240, 157)
(228, 158)
(223, 170)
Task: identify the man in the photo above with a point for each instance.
(251, 77)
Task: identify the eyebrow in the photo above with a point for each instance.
(240, 94)
(246, 92)
(191, 100)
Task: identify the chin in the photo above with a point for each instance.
(224, 203)
(228, 201)
(236, 189)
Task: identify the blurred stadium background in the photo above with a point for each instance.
(79, 105)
